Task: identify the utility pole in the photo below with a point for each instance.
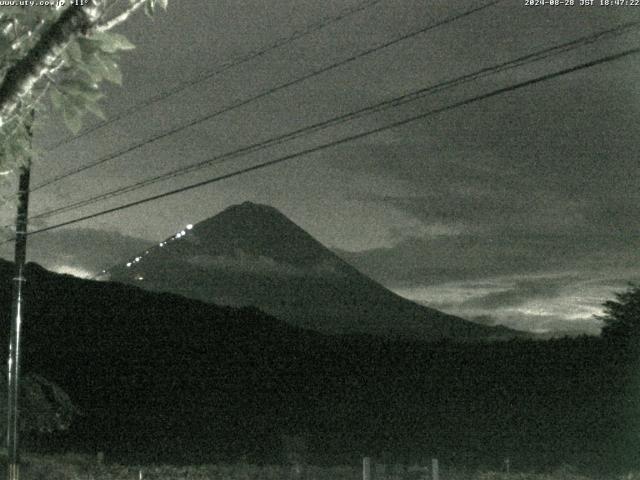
(13, 363)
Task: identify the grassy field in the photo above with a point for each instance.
(77, 467)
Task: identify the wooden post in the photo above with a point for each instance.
(366, 468)
(507, 465)
(435, 471)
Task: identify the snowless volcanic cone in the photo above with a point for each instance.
(252, 254)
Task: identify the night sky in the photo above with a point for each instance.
(520, 209)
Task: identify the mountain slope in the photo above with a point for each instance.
(252, 254)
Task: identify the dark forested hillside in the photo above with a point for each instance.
(164, 378)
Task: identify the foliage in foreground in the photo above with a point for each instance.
(44, 406)
(66, 52)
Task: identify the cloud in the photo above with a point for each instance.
(542, 324)
(81, 252)
(519, 294)
(541, 161)
(539, 303)
(430, 261)
(241, 262)
(74, 271)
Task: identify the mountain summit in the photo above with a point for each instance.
(260, 231)
(251, 254)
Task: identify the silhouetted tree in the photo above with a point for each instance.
(622, 316)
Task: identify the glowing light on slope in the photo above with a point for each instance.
(189, 227)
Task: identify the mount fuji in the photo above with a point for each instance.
(253, 255)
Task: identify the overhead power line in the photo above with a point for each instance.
(264, 93)
(380, 106)
(184, 85)
(263, 165)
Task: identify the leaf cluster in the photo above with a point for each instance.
(88, 61)
(73, 85)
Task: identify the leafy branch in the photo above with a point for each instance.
(67, 53)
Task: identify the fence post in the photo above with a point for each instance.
(435, 471)
(366, 468)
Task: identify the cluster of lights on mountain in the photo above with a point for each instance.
(177, 236)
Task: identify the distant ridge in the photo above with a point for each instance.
(252, 254)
